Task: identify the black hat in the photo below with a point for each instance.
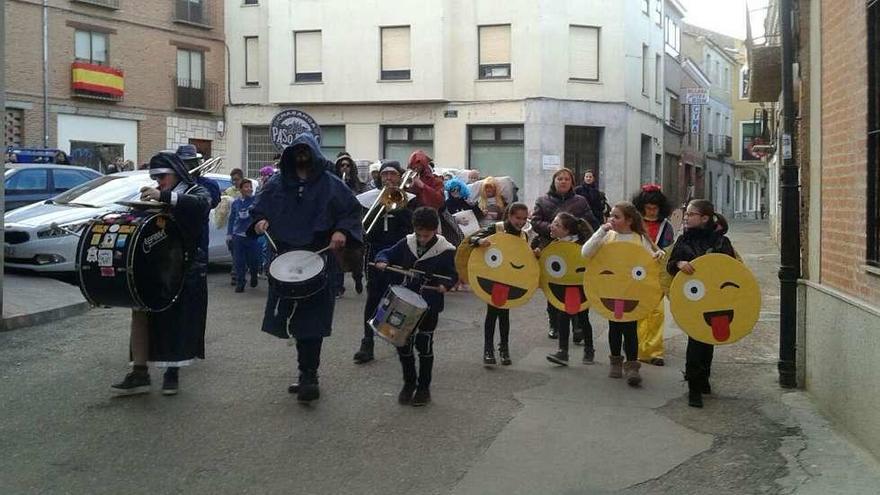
(390, 165)
(169, 163)
(188, 152)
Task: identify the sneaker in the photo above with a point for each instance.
(170, 383)
(364, 354)
(489, 358)
(551, 334)
(405, 397)
(421, 398)
(558, 357)
(589, 355)
(504, 354)
(239, 289)
(307, 390)
(359, 286)
(293, 388)
(132, 384)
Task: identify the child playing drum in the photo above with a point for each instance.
(430, 253)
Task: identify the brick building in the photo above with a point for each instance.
(125, 78)
(837, 149)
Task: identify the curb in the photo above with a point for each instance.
(16, 322)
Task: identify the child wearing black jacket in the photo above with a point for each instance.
(704, 233)
(430, 253)
(514, 220)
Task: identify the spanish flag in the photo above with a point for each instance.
(98, 79)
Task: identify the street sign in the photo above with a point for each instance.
(697, 96)
(696, 111)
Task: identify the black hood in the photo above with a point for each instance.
(288, 157)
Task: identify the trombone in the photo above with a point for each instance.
(209, 166)
(388, 200)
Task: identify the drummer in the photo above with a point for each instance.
(392, 226)
(176, 336)
(305, 207)
(431, 254)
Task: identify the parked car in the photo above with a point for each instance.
(28, 183)
(38, 237)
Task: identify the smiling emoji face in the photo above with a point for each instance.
(562, 276)
(623, 282)
(718, 304)
(504, 274)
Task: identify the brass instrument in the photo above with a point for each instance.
(209, 166)
(388, 200)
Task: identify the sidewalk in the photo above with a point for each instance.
(582, 432)
(30, 300)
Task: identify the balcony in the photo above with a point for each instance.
(96, 81)
(107, 4)
(764, 54)
(196, 96)
(193, 12)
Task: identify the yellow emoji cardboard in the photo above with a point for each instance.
(718, 304)
(504, 274)
(623, 281)
(562, 276)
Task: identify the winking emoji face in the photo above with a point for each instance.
(504, 274)
(562, 276)
(718, 304)
(623, 281)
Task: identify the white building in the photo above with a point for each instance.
(516, 90)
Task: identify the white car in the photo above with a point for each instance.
(39, 236)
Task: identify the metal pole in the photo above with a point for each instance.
(790, 250)
(2, 188)
(45, 73)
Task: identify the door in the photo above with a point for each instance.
(203, 145)
(582, 150)
(25, 186)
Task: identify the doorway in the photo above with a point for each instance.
(582, 150)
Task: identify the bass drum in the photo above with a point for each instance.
(133, 260)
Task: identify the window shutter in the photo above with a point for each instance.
(395, 48)
(494, 45)
(308, 51)
(583, 52)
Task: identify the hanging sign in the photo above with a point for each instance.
(289, 124)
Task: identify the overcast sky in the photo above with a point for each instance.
(723, 16)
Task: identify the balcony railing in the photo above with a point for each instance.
(194, 95)
(97, 81)
(194, 12)
(108, 4)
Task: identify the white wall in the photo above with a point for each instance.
(98, 130)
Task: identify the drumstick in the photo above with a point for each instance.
(271, 242)
(411, 271)
(321, 251)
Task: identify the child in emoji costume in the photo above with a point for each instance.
(562, 280)
(625, 225)
(514, 220)
(426, 251)
(705, 233)
(655, 210)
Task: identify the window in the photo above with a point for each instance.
(399, 142)
(873, 214)
(28, 180)
(193, 11)
(658, 78)
(716, 73)
(708, 66)
(96, 156)
(251, 60)
(190, 69)
(658, 12)
(67, 179)
(332, 140)
(673, 111)
(251, 2)
(672, 37)
(13, 133)
(744, 82)
(497, 151)
(645, 70)
(307, 51)
(91, 47)
(396, 63)
(494, 52)
(646, 6)
(259, 150)
(726, 78)
(583, 53)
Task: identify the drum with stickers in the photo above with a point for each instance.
(133, 259)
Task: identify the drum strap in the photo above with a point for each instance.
(290, 340)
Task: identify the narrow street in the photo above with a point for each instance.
(527, 428)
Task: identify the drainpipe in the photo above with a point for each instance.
(3, 105)
(45, 73)
(790, 250)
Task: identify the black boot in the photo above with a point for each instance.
(308, 386)
(136, 382)
(504, 354)
(426, 371)
(365, 353)
(408, 366)
(489, 357)
(559, 357)
(695, 398)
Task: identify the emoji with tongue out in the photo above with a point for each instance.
(623, 281)
(718, 304)
(562, 276)
(505, 273)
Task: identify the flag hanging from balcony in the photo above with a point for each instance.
(98, 79)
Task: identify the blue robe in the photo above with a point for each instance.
(303, 215)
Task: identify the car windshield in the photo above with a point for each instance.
(104, 190)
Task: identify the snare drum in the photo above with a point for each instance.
(133, 260)
(398, 315)
(298, 274)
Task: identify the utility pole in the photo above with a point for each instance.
(2, 186)
(790, 249)
(45, 73)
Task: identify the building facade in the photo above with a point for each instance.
(837, 151)
(516, 92)
(125, 78)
